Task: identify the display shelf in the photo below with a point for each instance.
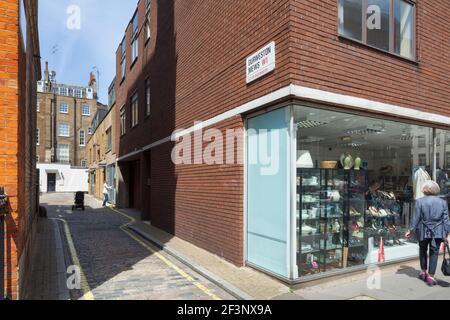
(336, 207)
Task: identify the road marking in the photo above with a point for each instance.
(162, 258)
(85, 288)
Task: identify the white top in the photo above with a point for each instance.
(106, 188)
(420, 178)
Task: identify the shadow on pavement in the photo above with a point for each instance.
(105, 252)
(414, 273)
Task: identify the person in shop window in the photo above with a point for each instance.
(373, 193)
(431, 226)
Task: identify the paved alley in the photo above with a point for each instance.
(115, 263)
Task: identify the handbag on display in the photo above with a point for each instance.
(446, 262)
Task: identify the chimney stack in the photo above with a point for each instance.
(46, 74)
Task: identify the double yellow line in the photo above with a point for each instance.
(162, 258)
(85, 288)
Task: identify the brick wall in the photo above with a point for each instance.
(195, 61)
(321, 60)
(18, 69)
(74, 119)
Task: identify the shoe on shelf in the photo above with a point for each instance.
(423, 276)
(431, 282)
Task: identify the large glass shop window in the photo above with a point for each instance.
(357, 180)
(443, 163)
(269, 191)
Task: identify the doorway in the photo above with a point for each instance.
(51, 182)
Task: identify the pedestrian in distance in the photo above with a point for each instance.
(431, 226)
(106, 189)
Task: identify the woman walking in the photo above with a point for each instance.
(431, 226)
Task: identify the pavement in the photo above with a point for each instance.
(392, 282)
(106, 260)
(122, 257)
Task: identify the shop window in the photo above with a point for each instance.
(357, 180)
(422, 159)
(447, 160)
(421, 141)
(447, 138)
(388, 25)
(268, 192)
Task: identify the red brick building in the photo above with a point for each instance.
(352, 92)
(19, 71)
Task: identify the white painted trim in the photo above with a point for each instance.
(368, 105)
(316, 95)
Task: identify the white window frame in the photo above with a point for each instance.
(82, 138)
(88, 109)
(123, 121)
(60, 107)
(78, 93)
(90, 131)
(38, 103)
(63, 134)
(59, 153)
(63, 91)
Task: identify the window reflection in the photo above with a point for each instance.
(357, 180)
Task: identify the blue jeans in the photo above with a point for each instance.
(105, 199)
(433, 255)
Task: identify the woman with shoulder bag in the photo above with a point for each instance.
(431, 225)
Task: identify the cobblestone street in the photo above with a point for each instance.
(115, 263)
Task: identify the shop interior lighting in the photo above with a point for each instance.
(309, 124)
(310, 139)
(364, 131)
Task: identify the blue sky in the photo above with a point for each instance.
(72, 53)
